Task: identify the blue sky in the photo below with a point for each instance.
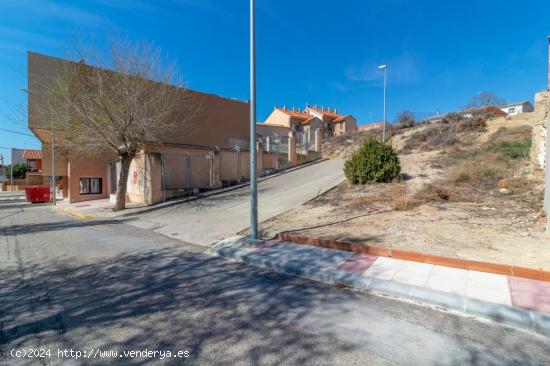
(323, 52)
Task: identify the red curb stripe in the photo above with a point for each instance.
(504, 269)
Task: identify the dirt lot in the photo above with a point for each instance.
(475, 200)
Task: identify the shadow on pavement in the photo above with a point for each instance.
(55, 225)
(165, 299)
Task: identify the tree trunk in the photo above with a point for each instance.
(122, 182)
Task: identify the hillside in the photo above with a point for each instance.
(467, 190)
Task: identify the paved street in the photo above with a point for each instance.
(208, 220)
(85, 285)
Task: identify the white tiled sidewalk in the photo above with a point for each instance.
(479, 285)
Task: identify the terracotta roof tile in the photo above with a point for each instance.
(32, 154)
(326, 113)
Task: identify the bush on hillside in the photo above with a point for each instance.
(373, 162)
(445, 134)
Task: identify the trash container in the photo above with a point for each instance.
(37, 194)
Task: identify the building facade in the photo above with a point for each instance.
(214, 124)
(518, 108)
(311, 118)
(207, 149)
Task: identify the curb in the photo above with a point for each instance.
(77, 214)
(503, 269)
(500, 313)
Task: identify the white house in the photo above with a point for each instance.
(517, 108)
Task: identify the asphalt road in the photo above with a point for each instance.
(88, 285)
(211, 219)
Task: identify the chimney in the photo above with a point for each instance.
(335, 110)
(284, 108)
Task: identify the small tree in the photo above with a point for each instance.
(19, 171)
(483, 99)
(405, 119)
(373, 162)
(117, 104)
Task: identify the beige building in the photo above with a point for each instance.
(326, 119)
(216, 123)
(209, 149)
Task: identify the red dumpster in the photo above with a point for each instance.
(37, 194)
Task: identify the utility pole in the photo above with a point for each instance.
(253, 182)
(11, 173)
(385, 68)
(547, 176)
(53, 160)
(547, 159)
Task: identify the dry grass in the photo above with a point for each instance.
(504, 134)
(478, 173)
(434, 192)
(437, 136)
(494, 163)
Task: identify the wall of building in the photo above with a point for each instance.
(137, 179)
(201, 118)
(540, 120)
(61, 162)
(350, 125)
(265, 129)
(87, 166)
(278, 117)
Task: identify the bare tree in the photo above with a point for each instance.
(405, 119)
(117, 104)
(483, 99)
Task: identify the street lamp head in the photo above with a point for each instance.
(383, 66)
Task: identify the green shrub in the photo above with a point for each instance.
(19, 171)
(373, 162)
(513, 150)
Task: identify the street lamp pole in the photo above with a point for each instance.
(3, 169)
(385, 68)
(11, 172)
(547, 159)
(253, 182)
(53, 160)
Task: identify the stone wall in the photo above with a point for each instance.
(540, 119)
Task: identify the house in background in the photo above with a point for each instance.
(486, 111)
(17, 156)
(518, 108)
(326, 119)
(33, 160)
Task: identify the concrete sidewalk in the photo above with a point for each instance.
(511, 300)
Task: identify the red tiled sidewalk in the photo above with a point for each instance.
(530, 294)
(358, 264)
(523, 292)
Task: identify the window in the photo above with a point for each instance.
(90, 185)
(512, 110)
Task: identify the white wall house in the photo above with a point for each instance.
(517, 108)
